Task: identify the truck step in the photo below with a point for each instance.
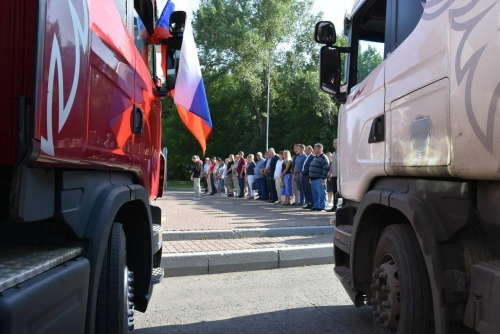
(157, 229)
(156, 275)
(342, 238)
(344, 229)
(20, 263)
(157, 237)
(342, 273)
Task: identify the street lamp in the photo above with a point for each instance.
(268, 89)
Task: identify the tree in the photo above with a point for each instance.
(240, 41)
(368, 61)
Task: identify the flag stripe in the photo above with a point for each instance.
(196, 125)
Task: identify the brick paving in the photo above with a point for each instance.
(193, 246)
(223, 213)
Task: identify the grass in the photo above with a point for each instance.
(179, 185)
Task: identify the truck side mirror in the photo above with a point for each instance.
(167, 55)
(168, 52)
(177, 23)
(329, 70)
(172, 60)
(324, 33)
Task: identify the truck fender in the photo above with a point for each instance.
(110, 201)
(425, 227)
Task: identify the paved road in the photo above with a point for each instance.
(295, 300)
(228, 213)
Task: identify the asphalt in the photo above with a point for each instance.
(219, 234)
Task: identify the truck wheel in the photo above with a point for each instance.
(114, 297)
(401, 293)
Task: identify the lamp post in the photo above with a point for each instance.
(268, 89)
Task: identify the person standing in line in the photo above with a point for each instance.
(220, 177)
(295, 190)
(226, 178)
(267, 177)
(306, 186)
(213, 164)
(328, 198)
(250, 176)
(241, 169)
(286, 176)
(300, 157)
(277, 177)
(206, 175)
(196, 171)
(333, 175)
(273, 157)
(318, 172)
(230, 181)
(259, 177)
(235, 175)
(217, 176)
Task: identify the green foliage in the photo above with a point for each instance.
(368, 61)
(179, 141)
(239, 41)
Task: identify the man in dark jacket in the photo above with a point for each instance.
(196, 171)
(304, 174)
(318, 172)
(269, 172)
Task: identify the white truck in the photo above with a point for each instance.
(418, 235)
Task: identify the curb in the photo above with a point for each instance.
(187, 264)
(247, 233)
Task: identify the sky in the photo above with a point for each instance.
(333, 10)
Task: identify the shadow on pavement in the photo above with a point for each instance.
(321, 319)
(242, 211)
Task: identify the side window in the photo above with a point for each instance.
(121, 5)
(378, 29)
(125, 9)
(367, 40)
(402, 18)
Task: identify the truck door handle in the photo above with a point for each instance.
(138, 121)
(377, 132)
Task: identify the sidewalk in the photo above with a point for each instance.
(229, 213)
(220, 234)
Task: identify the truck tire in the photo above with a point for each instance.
(401, 293)
(114, 297)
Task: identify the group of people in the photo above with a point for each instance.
(302, 179)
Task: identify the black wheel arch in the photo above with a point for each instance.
(381, 207)
(128, 205)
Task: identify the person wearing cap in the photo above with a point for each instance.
(196, 171)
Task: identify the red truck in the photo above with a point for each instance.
(80, 162)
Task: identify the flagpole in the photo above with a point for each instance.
(268, 89)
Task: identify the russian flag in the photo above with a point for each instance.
(162, 30)
(189, 96)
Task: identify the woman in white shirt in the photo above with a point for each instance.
(222, 175)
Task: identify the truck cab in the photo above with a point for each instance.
(418, 235)
(81, 164)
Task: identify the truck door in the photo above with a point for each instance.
(111, 84)
(417, 88)
(361, 154)
(146, 139)
(61, 82)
